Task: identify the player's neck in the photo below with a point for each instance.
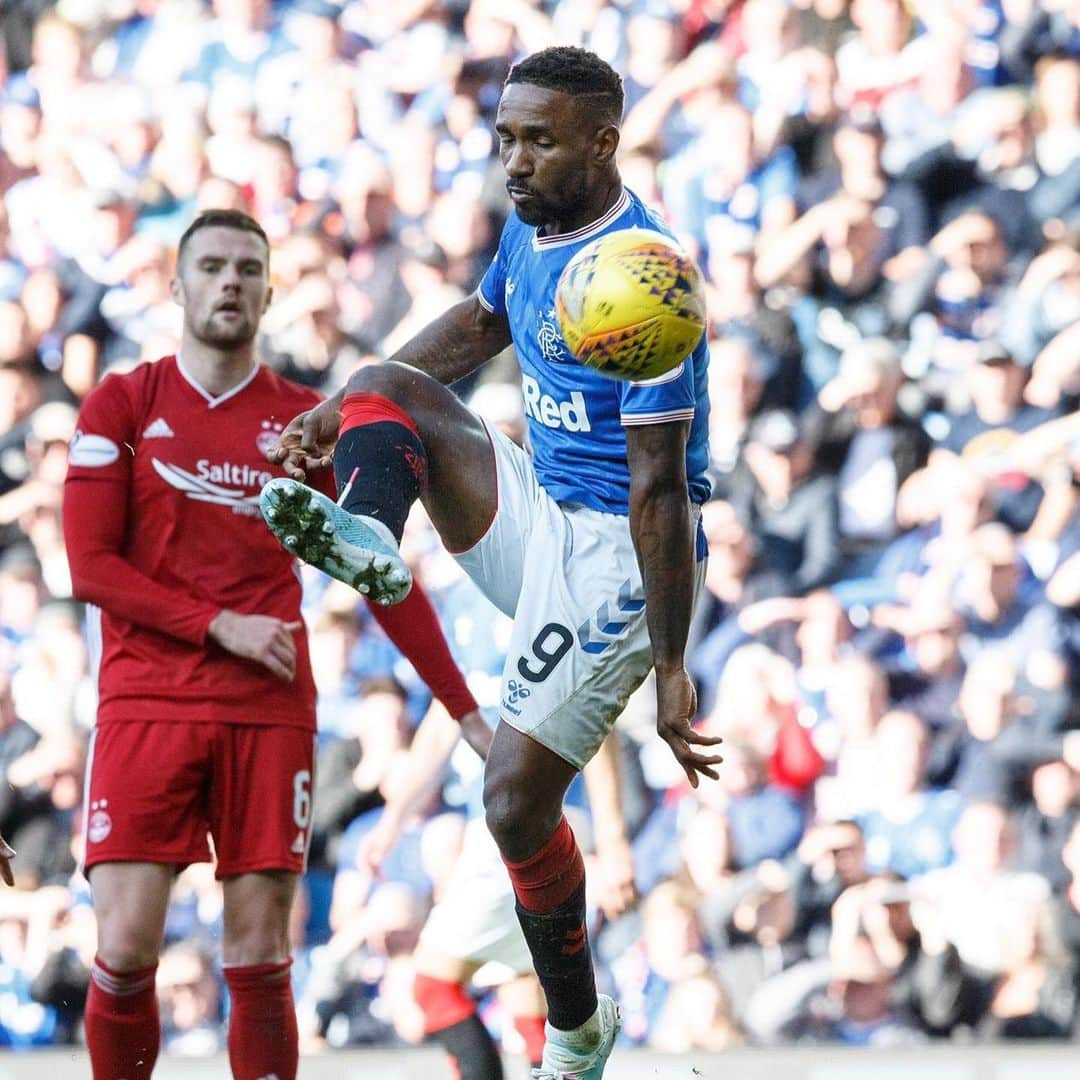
(216, 371)
(594, 208)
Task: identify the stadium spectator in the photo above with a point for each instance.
(367, 131)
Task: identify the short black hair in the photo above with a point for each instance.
(575, 71)
(225, 219)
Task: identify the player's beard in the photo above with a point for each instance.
(541, 210)
(222, 334)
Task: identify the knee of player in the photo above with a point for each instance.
(128, 948)
(516, 816)
(390, 380)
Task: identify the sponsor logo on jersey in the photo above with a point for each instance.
(159, 429)
(92, 451)
(100, 824)
(570, 415)
(224, 482)
(267, 439)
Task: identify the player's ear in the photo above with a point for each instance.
(605, 144)
(176, 290)
(269, 296)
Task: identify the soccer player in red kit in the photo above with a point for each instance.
(206, 715)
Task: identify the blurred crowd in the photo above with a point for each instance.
(885, 197)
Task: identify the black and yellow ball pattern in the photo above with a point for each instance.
(631, 304)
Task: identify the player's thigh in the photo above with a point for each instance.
(580, 645)
(460, 496)
(130, 901)
(260, 797)
(145, 794)
(499, 561)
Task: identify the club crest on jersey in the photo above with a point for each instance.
(268, 437)
(100, 824)
(549, 338)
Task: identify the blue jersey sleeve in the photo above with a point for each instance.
(492, 288)
(668, 397)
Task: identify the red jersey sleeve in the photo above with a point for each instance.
(96, 521)
(414, 628)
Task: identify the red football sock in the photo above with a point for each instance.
(262, 1022)
(123, 1031)
(531, 1029)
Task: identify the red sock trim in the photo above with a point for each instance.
(443, 1003)
(359, 409)
(242, 976)
(531, 1030)
(123, 987)
(547, 880)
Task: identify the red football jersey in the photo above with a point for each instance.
(163, 531)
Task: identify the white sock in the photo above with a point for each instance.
(585, 1037)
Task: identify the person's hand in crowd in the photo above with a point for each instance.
(1047, 267)
(7, 853)
(928, 921)
(379, 842)
(1056, 370)
(838, 213)
(707, 65)
(262, 638)
(762, 615)
(614, 890)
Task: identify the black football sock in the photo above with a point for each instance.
(387, 464)
(561, 955)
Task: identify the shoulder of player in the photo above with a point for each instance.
(305, 397)
(128, 386)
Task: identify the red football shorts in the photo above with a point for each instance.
(158, 792)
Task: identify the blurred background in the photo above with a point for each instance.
(885, 197)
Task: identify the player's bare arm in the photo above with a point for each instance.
(458, 342)
(660, 524)
(602, 781)
(429, 756)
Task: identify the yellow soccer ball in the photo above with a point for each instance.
(631, 304)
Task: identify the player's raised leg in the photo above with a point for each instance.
(524, 786)
(123, 1030)
(263, 1038)
(403, 436)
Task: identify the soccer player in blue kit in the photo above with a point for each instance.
(592, 544)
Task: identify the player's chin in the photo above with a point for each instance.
(531, 212)
(220, 335)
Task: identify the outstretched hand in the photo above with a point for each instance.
(308, 441)
(676, 704)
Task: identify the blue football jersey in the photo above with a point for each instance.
(577, 417)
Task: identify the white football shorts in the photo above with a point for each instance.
(475, 919)
(569, 577)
